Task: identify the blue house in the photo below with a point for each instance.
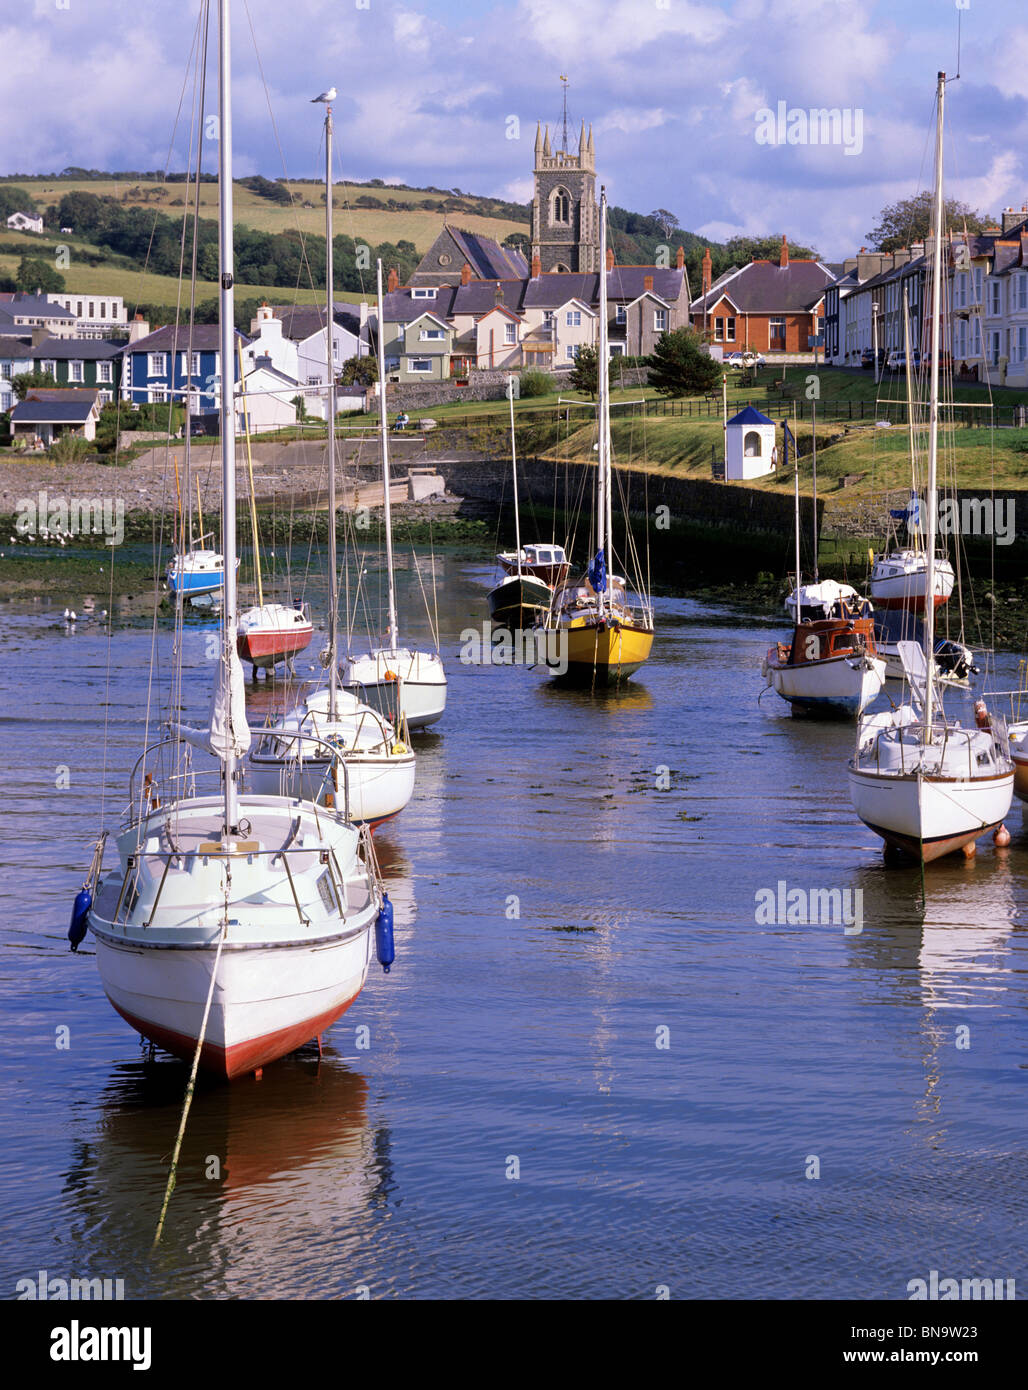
(160, 366)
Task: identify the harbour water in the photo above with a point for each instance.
(595, 1069)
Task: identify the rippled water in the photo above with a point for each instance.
(534, 1036)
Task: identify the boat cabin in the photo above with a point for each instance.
(827, 638)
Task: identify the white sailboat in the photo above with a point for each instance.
(521, 596)
(334, 749)
(401, 682)
(235, 926)
(923, 783)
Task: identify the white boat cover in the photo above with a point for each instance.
(227, 729)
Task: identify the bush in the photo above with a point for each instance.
(69, 448)
(537, 383)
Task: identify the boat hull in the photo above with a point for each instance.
(927, 816)
(267, 1001)
(602, 654)
(267, 647)
(401, 686)
(517, 602)
(369, 790)
(833, 688)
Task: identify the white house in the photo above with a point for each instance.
(268, 396)
(23, 222)
(16, 356)
(99, 315)
(304, 327)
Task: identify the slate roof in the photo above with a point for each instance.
(49, 406)
(204, 337)
(491, 260)
(36, 306)
(625, 283)
(16, 349)
(78, 349)
(301, 321)
(765, 287)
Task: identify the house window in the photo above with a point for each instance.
(430, 334)
(976, 337)
(1018, 344)
(104, 398)
(560, 207)
(425, 292)
(719, 330)
(78, 310)
(158, 396)
(616, 349)
(92, 307)
(157, 363)
(548, 318)
(994, 348)
(103, 311)
(620, 314)
(729, 327)
(978, 284)
(420, 364)
(510, 334)
(1021, 290)
(49, 366)
(571, 351)
(994, 296)
(574, 318)
(194, 364)
(104, 371)
(75, 372)
(660, 322)
(6, 400)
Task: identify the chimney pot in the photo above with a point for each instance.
(647, 282)
(537, 266)
(783, 259)
(394, 279)
(610, 258)
(465, 274)
(680, 258)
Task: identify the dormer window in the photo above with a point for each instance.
(423, 292)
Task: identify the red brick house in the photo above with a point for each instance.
(768, 306)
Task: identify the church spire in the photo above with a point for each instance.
(581, 142)
(546, 143)
(538, 141)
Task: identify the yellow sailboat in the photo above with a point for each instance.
(602, 638)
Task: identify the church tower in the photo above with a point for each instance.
(565, 214)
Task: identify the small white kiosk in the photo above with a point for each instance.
(749, 446)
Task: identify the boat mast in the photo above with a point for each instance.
(603, 441)
(514, 470)
(333, 583)
(394, 636)
(813, 444)
(796, 505)
(228, 405)
(933, 415)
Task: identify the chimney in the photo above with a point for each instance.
(869, 263)
(783, 259)
(465, 274)
(138, 328)
(680, 258)
(537, 266)
(648, 282)
(498, 297)
(1012, 218)
(708, 271)
(916, 249)
(610, 258)
(39, 335)
(393, 282)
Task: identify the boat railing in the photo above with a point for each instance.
(271, 742)
(916, 743)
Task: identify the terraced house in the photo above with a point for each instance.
(766, 306)
(91, 362)
(158, 366)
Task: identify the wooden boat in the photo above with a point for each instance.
(830, 668)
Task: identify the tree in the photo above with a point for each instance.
(911, 220)
(23, 382)
(679, 366)
(743, 249)
(585, 374)
(34, 273)
(360, 371)
(668, 220)
(519, 241)
(13, 200)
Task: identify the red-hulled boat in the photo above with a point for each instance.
(273, 632)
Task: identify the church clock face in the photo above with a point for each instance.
(444, 259)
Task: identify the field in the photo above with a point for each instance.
(372, 225)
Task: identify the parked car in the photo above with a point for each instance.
(754, 359)
(896, 361)
(867, 359)
(734, 360)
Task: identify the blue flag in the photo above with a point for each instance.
(597, 572)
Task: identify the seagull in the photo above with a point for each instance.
(326, 97)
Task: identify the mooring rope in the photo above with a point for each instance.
(192, 1080)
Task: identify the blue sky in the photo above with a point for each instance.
(672, 87)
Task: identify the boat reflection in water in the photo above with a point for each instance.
(272, 1174)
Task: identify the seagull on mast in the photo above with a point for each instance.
(326, 97)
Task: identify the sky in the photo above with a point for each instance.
(680, 94)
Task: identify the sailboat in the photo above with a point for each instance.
(333, 748)
(921, 781)
(402, 683)
(602, 636)
(521, 596)
(830, 668)
(195, 570)
(269, 632)
(235, 927)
